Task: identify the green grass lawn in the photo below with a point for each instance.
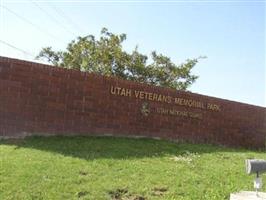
(120, 168)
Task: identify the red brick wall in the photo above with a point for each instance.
(40, 99)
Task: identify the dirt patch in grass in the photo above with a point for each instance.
(118, 193)
(123, 194)
(83, 173)
(159, 191)
(139, 198)
(82, 194)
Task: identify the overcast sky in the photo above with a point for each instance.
(230, 33)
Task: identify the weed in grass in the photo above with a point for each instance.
(186, 157)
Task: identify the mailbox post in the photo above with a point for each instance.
(256, 167)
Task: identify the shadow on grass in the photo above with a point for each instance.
(93, 147)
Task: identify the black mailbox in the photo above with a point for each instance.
(256, 166)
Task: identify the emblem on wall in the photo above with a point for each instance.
(145, 109)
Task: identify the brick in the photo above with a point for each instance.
(36, 97)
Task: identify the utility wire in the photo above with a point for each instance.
(141, 1)
(65, 17)
(18, 49)
(53, 19)
(29, 22)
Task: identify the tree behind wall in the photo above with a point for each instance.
(107, 57)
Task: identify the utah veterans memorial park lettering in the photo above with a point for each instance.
(166, 99)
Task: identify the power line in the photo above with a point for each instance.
(16, 48)
(29, 22)
(141, 1)
(65, 17)
(53, 18)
